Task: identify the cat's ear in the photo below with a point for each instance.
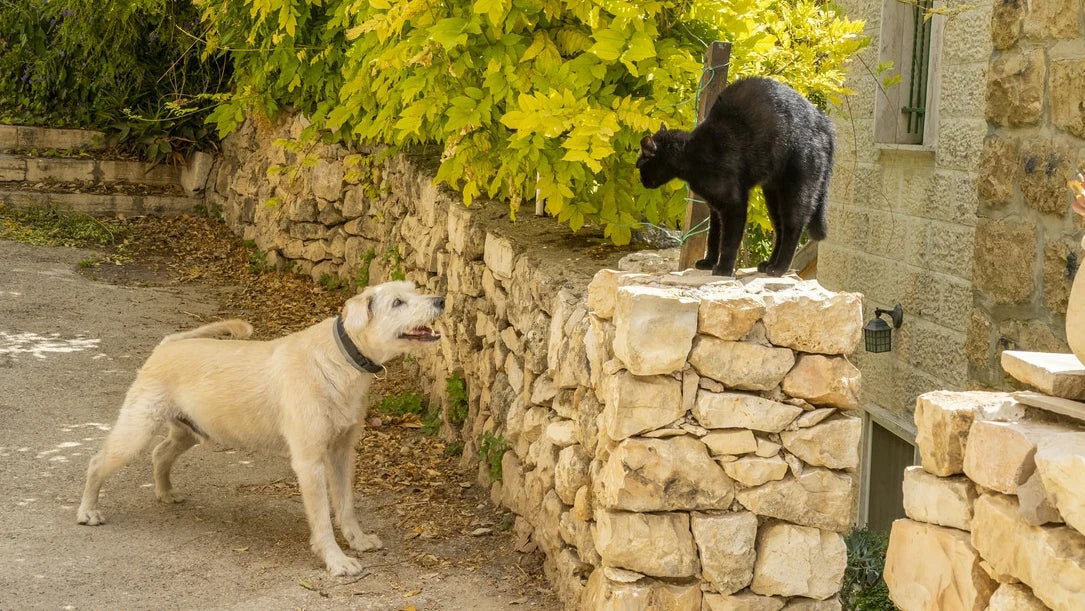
(662, 126)
(648, 146)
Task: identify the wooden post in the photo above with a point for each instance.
(713, 81)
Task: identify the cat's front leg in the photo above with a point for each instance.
(712, 256)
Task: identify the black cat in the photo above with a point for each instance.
(759, 132)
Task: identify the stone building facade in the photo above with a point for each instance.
(967, 228)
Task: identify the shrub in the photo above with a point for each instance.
(520, 96)
(456, 389)
(402, 404)
(490, 450)
(133, 68)
(863, 588)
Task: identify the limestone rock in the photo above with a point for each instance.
(662, 475)
(934, 568)
(1060, 461)
(463, 236)
(766, 448)
(726, 543)
(327, 180)
(1036, 504)
(602, 292)
(603, 594)
(742, 601)
(562, 433)
(1000, 455)
(798, 561)
(823, 380)
(654, 329)
(942, 421)
(571, 472)
(730, 410)
(833, 444)
(946, 501)
(657, 544)
(813, 417)
(740, 365)
(809, 318)
(1049, 559)
(1014, 597)
(499, 255)
(729, 312)
(730, 441)
(1015, 87)
(1061, 375)
(808, 604)
(639, 404)
(818, 498)
(754, 470)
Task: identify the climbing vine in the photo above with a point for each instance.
(522, 98)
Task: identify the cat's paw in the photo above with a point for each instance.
(704, 264)
(773, 271)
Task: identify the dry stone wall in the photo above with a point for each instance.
(995, 512)
(673, 440)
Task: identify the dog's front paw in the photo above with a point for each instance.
(90, 517)
(343, 565)
(168, 496)
(704, 264)
(764, 267)
(363, 542)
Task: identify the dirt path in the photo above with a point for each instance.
(69, 347)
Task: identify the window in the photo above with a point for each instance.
(887, 454)
(911, 40)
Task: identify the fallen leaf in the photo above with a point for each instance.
(307, 585)
(413, 593)
(241, 549)
(478, 532)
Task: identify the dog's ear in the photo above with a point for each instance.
(359, 309)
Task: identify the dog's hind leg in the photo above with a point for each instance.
(130, 435)
(179, 439)
(341, 469)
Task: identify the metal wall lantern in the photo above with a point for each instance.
(878, 334)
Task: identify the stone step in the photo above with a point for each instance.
(14, 137)
(95, 204)
(1057, 405)
(14, 168)
(1060, 375)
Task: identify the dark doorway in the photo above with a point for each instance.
(889, 455)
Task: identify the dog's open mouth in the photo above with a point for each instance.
(421, 334)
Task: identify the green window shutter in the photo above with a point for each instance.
(917, 84)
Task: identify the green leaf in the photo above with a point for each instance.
(608, 45)
(449, 32)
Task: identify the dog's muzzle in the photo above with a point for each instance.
(425, 333)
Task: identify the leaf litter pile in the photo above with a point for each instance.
(412, 473)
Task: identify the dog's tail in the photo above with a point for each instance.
(235, 328)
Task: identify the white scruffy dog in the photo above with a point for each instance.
(303, 395)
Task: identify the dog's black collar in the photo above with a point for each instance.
(354, 356)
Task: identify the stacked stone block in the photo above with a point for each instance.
(674, 441)
(994, 512)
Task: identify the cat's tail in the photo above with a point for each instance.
(818, 227)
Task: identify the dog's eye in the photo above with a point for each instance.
(397, 303)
